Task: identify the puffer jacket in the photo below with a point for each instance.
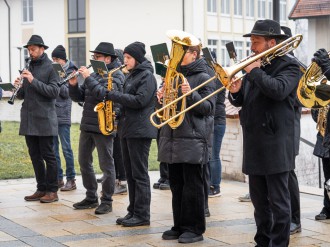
(92, 92)
(38, 114)
(189, 143)
(137, 101)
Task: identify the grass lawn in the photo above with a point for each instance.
(15, 160)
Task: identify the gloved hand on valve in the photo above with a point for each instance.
(321, 57)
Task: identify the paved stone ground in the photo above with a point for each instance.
(58, 224)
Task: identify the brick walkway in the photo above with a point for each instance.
(58, 224)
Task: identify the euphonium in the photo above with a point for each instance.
(173, 80)
(105, 113)
(314, 89)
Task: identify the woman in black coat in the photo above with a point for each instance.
(136, 132)
(186, 150)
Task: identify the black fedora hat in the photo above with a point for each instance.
(267, 28)
(36, 40)
(106, 49)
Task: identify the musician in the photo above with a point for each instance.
(63, 111)
(186, 150)
(322, 145)
(136, 132)
(267, 96)
(38, 118)
(92, 92)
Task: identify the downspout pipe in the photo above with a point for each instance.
(9, 39)
(183, 24)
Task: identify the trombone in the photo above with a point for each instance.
(225, 75)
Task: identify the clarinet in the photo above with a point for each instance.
(71, 76)
(12, 98)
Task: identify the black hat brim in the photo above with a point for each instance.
(104, 53)
(280, 36)
(45, 46)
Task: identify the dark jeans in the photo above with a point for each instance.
(186, 182)
(271, 200)
(135, 155)
(215, 162)
(295, 197)
(41, 150)
(64, 137)
(326, 173)
(104, 146)
(118, 159)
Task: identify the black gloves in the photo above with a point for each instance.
(321, 57)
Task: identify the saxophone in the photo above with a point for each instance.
(105, 113)
(322, 120)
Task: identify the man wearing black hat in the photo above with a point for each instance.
(267, 96)
(38, 118)
(63, 111)
(92, 92)
(136, 132)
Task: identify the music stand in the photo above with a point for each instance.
(99, 67)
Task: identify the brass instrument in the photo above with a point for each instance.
(314, 89)
(322, 120)
(13, 97)
(225, 75)
(105, 113)
(172, 81)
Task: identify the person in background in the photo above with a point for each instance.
(92, 92)
(38, 118)
(322, 146)
(136, 131)
(63, 111)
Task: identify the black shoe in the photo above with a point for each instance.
(85, 204)
(128, 216)
(165, 185)
(156, 185)
(207, 212)
(190, 237)
(294, 228)
(171, 235)
(99, 180)
(135, 221)
(103, 208)
(322, 216)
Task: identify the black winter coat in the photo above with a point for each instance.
(92, 92)
(38, 114)
(63, 101)
(267, 98)
(137, 101)
(189, 143)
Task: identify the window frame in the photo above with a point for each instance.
(27, 9)
(77, 19)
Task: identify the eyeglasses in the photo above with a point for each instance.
(95, 57)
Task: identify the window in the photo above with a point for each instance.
(250, 8)
(239, 49)
(212, 44)
(248, 48)
(261, 8)
(76, 16)
(225, 7)
(224, 56)
(283, 15)
(238, 7)
(212, 6)
(27, 11)
(77, 51)
(270, 9)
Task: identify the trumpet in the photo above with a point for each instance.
(225, 75)
(71, 76)
(12, 98)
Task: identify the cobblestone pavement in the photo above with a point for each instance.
(58, 224)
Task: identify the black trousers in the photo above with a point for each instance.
(206, 178)
(295, 197)
(163, 168)
(135, 156)
(326, 173)
(118, 159)
(186, 182)
(271, 200)
(42, 155)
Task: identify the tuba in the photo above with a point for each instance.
(314, 89)
(173, 79)
(105, 113)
